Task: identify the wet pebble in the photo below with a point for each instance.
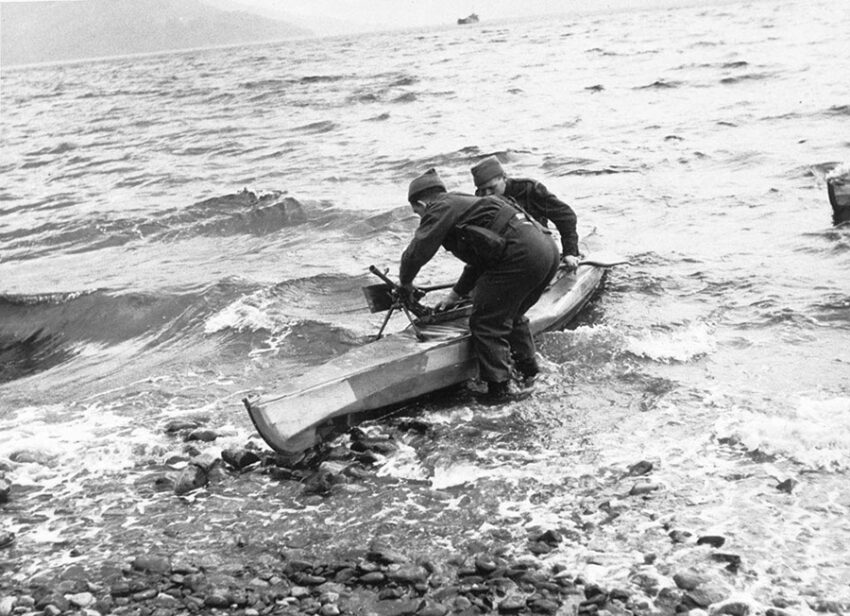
(680, 536)
(706, 593)
(299, 592)
(319, 483)
(151, 564)
(733, 607)
(180, 425)
(431, 608)
(787, 486)
(202, 434)
(5, 488)
(217, 598)
(144, 595)
(733, 561)
(643, 487)
(485, 565)
(7, 604)
(380, 552)
(640, 468)
(240, 458)
(190, 478)
(81, 600)
(407, 574)
(688, 580)
(31, 457)
(7, 537)
(714, 541)
(512, 604)
(373, 577)
(543, 605)
(540, 547)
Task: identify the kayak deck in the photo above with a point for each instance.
(397, 368)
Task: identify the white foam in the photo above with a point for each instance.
(816, 432)
(681, 345)
(242, 315)
(842, 169)
(404, 464)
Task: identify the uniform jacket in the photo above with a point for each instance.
(441, 225)
(543, 206)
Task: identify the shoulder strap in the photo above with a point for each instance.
(502, 218)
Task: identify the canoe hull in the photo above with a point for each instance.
(397, 368)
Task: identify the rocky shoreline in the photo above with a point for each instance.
(384, 578)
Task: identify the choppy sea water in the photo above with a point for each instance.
(178, 230)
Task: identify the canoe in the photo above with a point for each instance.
(398, 367)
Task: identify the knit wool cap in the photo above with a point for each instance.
(427, 180)
(486, 170)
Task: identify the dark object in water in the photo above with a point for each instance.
(838, 188)
(471, 19)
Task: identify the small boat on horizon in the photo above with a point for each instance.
(472, 18)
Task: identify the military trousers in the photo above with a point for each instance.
(503, 294)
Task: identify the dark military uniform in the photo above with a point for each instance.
(508, 276)
(543, 206)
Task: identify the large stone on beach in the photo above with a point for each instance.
(380, 552)
(787, 486)
(688, 580)
(240, 458)
(733, 607)
(733, 560)
(715, 541)
(202, 434)
(373, 577)
(152, 564)
(179, 425)
(7, 604)
(640, 468)
(81, 600)
(512, 604)
(705, 594)
(407, 574)
(432, 608)
(6, 538)
(217, 598)
(190, 478)
(644, 487)
(31, 457)
(54, 599)
(542, 605)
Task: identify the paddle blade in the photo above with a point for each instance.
(379, 297)
(604, 260)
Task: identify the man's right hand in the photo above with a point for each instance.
(569, 262)
(408, 293)
(451, 300)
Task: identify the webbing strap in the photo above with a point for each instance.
(503, 218)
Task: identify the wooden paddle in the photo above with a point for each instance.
(604, 261)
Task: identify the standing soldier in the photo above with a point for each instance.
(510, 259)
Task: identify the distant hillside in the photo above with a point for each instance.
(53, 31)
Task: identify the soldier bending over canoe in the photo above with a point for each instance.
(535, 199)
(510, 259)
